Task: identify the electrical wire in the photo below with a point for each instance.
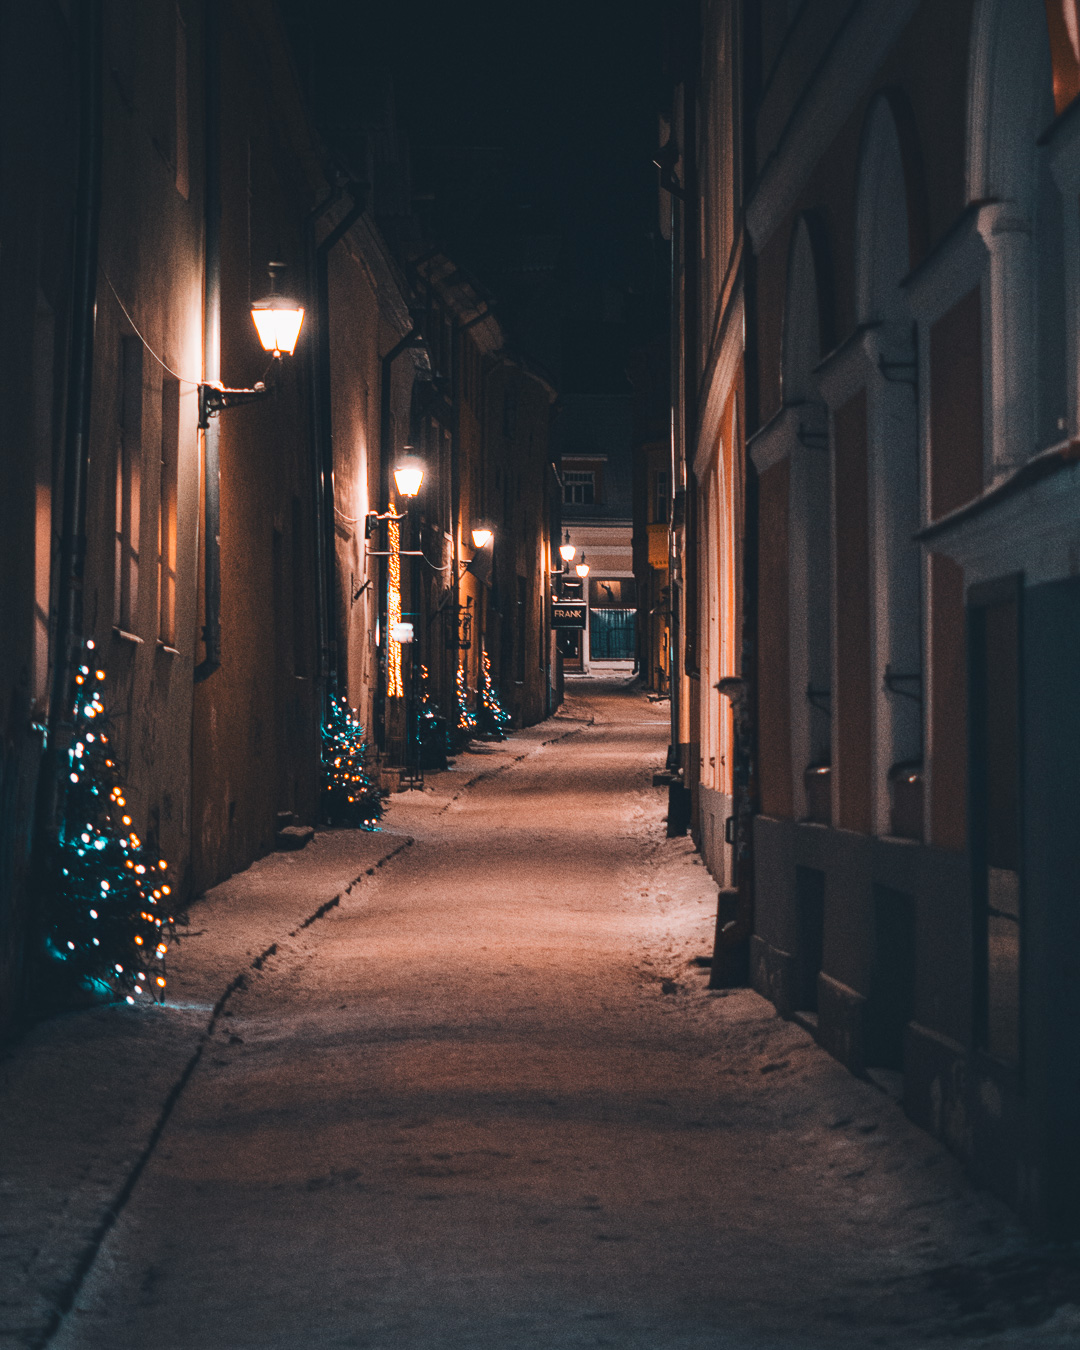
(124, 309)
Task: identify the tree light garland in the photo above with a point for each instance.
(492, 717)
(348, 795)
(107, 915)
(465, 721)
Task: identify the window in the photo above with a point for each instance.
(994, 628)
(42, 402)
(170, 445)
(612, 634)
(614, 593)
(579, 487)
(661, 497)
(128, 486)
(298, 607)
(522, 596)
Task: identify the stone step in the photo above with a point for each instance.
(294, 837)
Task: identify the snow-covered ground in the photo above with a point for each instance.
(486, 1100)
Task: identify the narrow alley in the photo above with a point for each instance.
(487, 1100)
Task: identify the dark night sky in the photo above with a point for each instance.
(569, 91)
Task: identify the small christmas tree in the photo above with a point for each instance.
(107, 912)
(492, 718)
(349, 797)
(431, 729)
(465, 719)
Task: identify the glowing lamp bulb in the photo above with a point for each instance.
(566, 552)
(482, 536)
(408, 476)
(278, 321)
(582, 569)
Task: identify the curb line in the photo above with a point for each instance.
(83, 1266)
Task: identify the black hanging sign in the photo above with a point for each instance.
(568, 613)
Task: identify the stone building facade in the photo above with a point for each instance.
(904, 193)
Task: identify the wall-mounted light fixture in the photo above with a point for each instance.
(582, 569)
(409, 474)
(277, 318)
(566, 549)
(482, 535)
(278, 321)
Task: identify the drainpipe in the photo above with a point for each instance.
(731, 952)
(72, 551)
(311, 350)
(674, 626)
(322, 410)
(212, 347)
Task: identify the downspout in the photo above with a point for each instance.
(72, 551)
(675, 628)
(324, 439)
(212, 349)
(731, 952)
(312, 355)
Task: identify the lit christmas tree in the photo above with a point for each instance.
(107, 915)
(465, 720)
(493, 719)
(349, 797)
(430, 728)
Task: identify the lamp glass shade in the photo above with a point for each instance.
(278, 321)
(566, 552)
(482, 536)
(582, 569)
(408, 476)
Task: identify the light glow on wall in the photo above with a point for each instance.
(394, 686)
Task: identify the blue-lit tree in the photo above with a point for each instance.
(431, 729)
(349, 797)
(108, 905)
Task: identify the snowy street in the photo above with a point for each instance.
(485, 1101)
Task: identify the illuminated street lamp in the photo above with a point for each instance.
(409, 474)
(582, 569)
(277, 318)
(567, 550)
(278, 321)
(482, 535)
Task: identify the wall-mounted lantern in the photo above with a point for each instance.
(582, 569)
(409, 474)
(566, 549)
(278, 321)
(482, 535)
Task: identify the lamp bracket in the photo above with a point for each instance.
(215, 398)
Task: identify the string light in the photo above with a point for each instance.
(394, 686)
(349, 797)
(466, 719)
(101, 910)
(493, 717)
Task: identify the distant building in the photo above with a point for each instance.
(594, 439)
